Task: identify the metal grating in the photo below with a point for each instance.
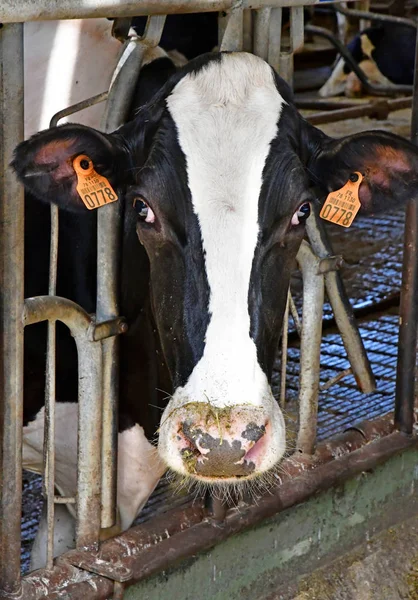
(343, 405)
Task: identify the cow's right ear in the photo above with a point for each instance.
(44, 163)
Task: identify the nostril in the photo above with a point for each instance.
(256, 434)
(188, 441)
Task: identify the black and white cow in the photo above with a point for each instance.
(216, 175)
(386, 54)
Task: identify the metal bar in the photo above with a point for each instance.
(135, 548)
(83, 9)
(204, 536)
(379, 109)
(408, 310)
(283, 365)
(50, 394)
(232, 38)
(108, 256)
(377, 90)
(310, 347)
(70, 110)
(247, 40)
(275, 38)
(49, 308)
(261, 32)
(343, 312)
(11, 304)
(372, 16)
(295, 315)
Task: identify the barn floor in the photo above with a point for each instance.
(372, 249)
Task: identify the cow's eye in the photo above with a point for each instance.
(144, 212)
(301, 214)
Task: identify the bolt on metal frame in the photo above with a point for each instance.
(16, 314)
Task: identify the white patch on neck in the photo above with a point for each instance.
(226, 116)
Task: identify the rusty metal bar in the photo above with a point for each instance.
(11, 304)
(408, 310)
(11, 12)
(342, 309)
(144, 549)
(310, 347)
(379, 109)
(53, 308)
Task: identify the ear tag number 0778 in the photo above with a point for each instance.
(342, 206)
(94, 189)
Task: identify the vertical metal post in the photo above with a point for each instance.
(275, 38)
(108, 259)
(408, 310)
(11, 307)
(261, 32)
(89, 475)
(310, 346)
(231, 28)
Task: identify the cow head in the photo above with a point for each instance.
(218, 172)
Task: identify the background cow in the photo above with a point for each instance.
(386, 54)
(216, 176)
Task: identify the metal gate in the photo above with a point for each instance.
(96, 338)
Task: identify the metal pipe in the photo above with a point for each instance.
(40, 10)
(89, 475)
(283, 365)
(231, 32)
(42, 308)
(261, 32)
(108, 258)
(11, 302)
(343, 311)
(379, 109)
(408, 320)
(295, 315)
(372, 16)
(310, 347)
(408, 310)
(377, 90)
(70, 110)
(275, 38)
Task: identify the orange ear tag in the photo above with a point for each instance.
(341, 206)
(94, 189)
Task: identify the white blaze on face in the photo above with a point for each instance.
(226, 117)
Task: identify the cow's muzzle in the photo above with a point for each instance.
(221, 444)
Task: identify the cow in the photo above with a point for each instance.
(216, 176)
(386, 54)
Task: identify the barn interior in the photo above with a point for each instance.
(373, 252)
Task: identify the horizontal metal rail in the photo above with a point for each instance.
(13, 12)
(379, 109)
(181, 533)
(376, 17)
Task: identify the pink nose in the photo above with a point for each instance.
(221, 446)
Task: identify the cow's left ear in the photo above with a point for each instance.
(388, 163)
